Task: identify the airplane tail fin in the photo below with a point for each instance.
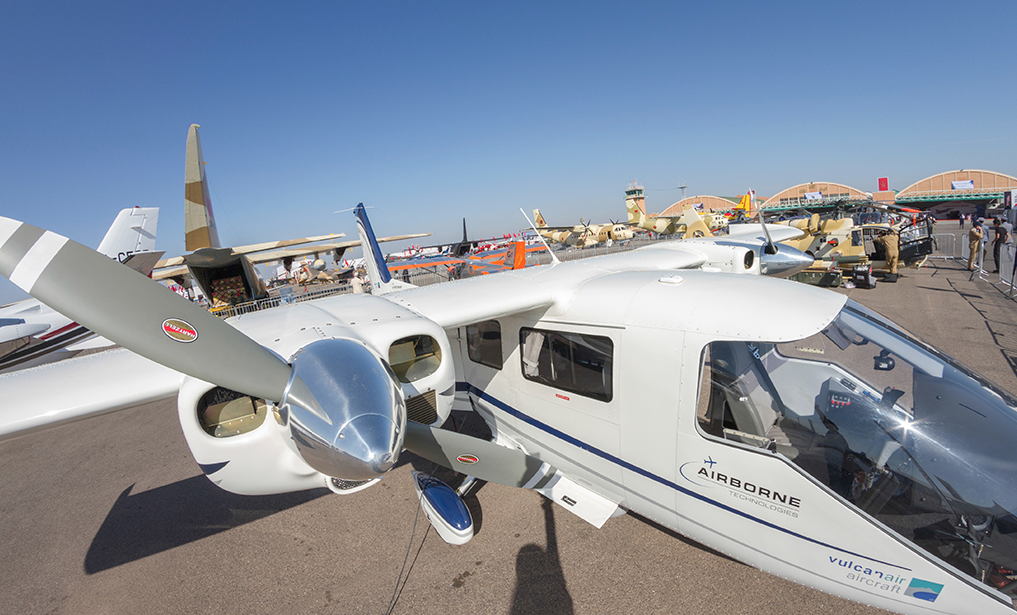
(199, 222)
(132, 231)
(538, 220)
(377, 270)
(637, 217)
(744, 204)
(516, 255)
(695, 226)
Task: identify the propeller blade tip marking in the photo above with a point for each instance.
(35, 261)
(7, 228)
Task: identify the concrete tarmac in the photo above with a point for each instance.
(112, 515)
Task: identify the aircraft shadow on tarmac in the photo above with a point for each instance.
(150, 522)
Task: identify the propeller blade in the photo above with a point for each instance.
(137, 313)
(770, 247)
(475, 457)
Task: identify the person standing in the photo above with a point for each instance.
(974, 244)
(890, 243)
(961, 217)
(1002, 238)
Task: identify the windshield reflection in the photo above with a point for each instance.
(897, 428)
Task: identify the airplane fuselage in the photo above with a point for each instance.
(616, 402)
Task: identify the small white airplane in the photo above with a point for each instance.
(815, 440)
(32, 333)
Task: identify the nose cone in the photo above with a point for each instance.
(367, 447)
(347, 415)
(787, 261)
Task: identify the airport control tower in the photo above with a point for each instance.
(634, 196)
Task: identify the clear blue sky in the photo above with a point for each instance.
(431, 111)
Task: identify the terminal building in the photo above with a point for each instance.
(946, 195)
(949, 194)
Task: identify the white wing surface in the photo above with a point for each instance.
(754, 232)
(81, 387)
(514, 292)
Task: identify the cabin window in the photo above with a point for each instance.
(483, 343)
(574, 362)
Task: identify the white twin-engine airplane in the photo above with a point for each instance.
(32, 333)
(815, 440)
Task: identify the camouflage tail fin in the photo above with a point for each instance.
(199, 222)
(694, 224)
(538, 220)
(637, 215)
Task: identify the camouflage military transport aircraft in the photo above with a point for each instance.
(581, 235)
(690, 224)
(228, 274)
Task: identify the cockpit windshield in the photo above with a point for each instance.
(894, 426)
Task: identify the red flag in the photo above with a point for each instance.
(884, 184)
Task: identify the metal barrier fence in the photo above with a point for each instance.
(985, 266)
(944, 246)
(311, 293)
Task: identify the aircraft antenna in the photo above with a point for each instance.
(554, 259)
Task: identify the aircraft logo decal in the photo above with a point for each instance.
(467, 459)
(745, 490)
(923, 590)
(179, 330)
(892, 582)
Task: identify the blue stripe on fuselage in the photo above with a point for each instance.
(465, 386)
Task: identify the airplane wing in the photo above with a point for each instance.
(170, 262)
(275, 255)
(753, 232)
(517, 291)
(571, 227)
(474, 299)
(90, 385)
(272, 245)
(169, 272)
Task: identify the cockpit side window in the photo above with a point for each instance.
(736, 402)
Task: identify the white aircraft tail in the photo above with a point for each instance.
(377, 270)
(199, 222)
(133, 231)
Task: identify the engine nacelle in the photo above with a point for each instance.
(251, 447)
(241, 445)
